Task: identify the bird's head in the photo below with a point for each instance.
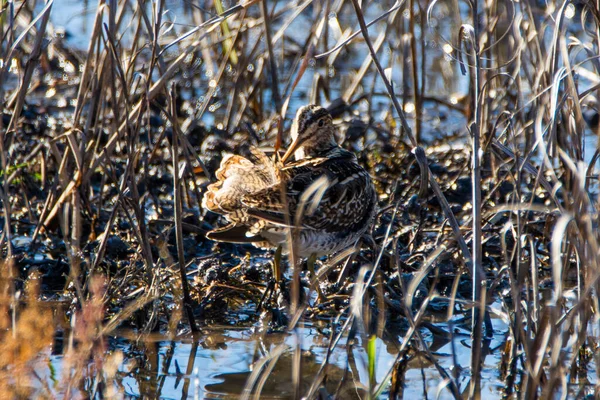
(313, 133)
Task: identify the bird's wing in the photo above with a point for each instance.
(276, 202)
(347, 204)
(323, 195)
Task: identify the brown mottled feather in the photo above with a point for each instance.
(326, 193)
(342, 206)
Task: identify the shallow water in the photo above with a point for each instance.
(218, 362)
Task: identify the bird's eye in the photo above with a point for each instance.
(321, 122)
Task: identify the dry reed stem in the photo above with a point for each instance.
(529, 104)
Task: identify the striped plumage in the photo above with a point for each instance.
(325, 192)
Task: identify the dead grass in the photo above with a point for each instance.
(105, 154)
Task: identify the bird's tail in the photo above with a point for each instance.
(237, 177)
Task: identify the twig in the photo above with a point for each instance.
(272, 62)
(469, 33)
(187, 300)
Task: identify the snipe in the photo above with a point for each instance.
(324, 193)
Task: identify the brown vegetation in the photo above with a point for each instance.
(488, 201)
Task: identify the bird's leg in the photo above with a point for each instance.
(277, 266)
(310, 263)
(274, 296)
(273, 285)
(266, 295)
